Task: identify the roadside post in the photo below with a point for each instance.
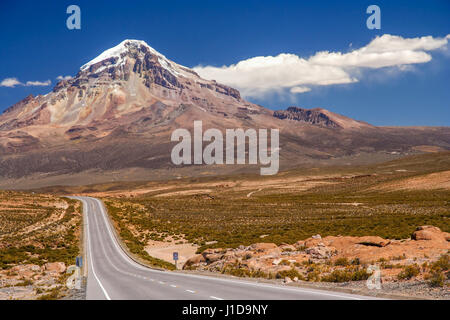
(175, 258)
(79, 261)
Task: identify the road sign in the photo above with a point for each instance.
(79, 262)
(175, 256)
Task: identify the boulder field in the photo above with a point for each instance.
(323, 256)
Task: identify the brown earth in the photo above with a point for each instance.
(439, 180)
(316, 258)
(39, 237)
(113, 122)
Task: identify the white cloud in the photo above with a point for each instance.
(299, 89)
(260, 75)
(63, 77)
(384, 51)
(12, 82)
(38, 83)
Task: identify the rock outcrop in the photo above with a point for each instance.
(311, 116)
(430, 233)
(426, 245)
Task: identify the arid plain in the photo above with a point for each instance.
(321, 226)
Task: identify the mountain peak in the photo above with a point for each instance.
(125, 79)
(320, 117)
(136, 50)
(117, 51)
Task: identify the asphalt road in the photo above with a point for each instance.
(113, 275)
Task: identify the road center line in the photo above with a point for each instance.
(85, 205)
(244, 283)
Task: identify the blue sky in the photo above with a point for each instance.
(37, 46)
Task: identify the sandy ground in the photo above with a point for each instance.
(184, 192)
(247, 187)
(164, 251)
(438, 180)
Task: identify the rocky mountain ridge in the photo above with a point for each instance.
(117, 114)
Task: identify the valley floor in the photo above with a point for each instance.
(253, 226)
(319, 226)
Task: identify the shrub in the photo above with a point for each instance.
(360, 274)
(24, 283)
(437, 279)
(285, 262)
(337, 276)
(402, 257)
(53, 295)
(443, 264)
(409, 272)
(313, 276)
(341, 262)
(346, 275)
(292, 273)
(237, 272)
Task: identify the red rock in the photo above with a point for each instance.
(213, 257)
(287, 247)
(262, 246)
(429, 233)
(197, 259)
(373, 241)
(299, 244)
(58, 267)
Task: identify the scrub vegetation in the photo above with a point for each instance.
(355, 202)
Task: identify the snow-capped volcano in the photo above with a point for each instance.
(116, 57)
(121, 80)
(116, 116)
(117, 51)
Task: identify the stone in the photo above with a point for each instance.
(276, 262)
(299, 245)
(320, 252)
(373, 241)
(197, 259)
(213, 257)
(428, 233)
(287, 247)
(27, 270)
(57, 267)
(263, 246)
(287, 280)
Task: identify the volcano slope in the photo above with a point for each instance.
(113, 122)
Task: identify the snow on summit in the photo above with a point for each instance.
(116, 51)
(124, 46)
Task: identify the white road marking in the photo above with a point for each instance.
(135, 264)
(91, 257)
(191, 291)
(212, 297)
(173, 286)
